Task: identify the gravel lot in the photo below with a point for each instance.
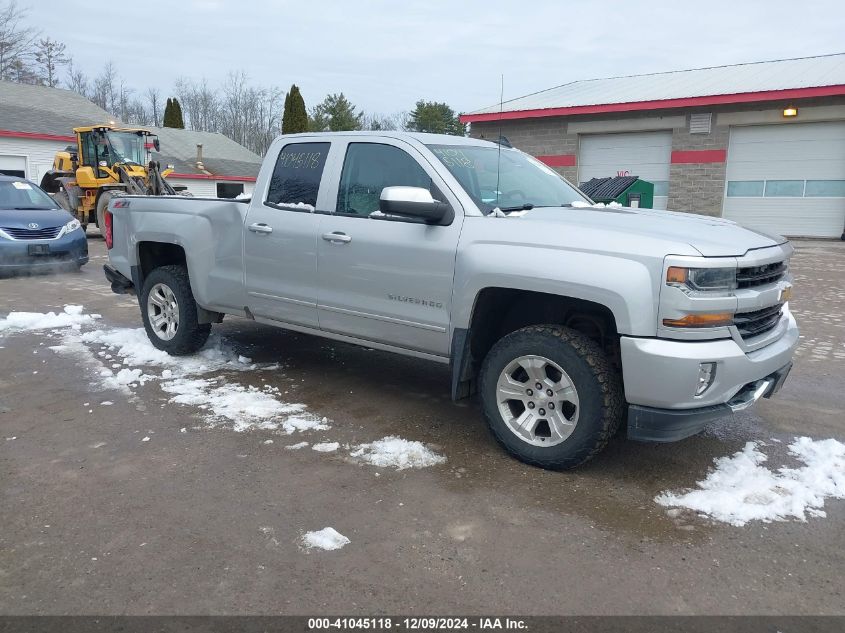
(207, 520)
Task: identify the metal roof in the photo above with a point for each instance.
(750, 78)
(35, 111)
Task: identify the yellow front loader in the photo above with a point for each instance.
(106, 160)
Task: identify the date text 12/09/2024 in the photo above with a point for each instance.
(417, 624)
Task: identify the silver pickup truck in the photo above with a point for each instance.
(566, 317)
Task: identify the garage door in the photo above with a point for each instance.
(788, 179)
(643, 154)
(13, 166)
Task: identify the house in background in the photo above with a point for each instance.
(37, 121)
(760, 143)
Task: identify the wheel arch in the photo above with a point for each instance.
(498, 311)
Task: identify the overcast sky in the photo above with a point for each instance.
(386, 54)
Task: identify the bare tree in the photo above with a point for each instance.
(49, 55)
(384, 121)
(104, 92)
(154, 101)
(76, 79)
(16, 42)
(200, 106)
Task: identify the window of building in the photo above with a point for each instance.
(296, 176)
(825, 189)
(746, 188)
(369, 168)
(784, 189)
(229, 189)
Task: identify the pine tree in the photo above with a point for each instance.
(178, 120)
(286, 114)
(335, 114)
(438, 118)
(167, 120)
(295, 118)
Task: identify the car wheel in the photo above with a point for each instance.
(169, 312)
(550, 396)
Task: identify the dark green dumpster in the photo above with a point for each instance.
(629, 191)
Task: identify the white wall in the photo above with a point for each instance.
(205, 188)
(39, 154)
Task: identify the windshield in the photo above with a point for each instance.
(521, 179)
(19, 194)
(125, 147)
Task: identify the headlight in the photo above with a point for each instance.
(702, 278)
(71, 226)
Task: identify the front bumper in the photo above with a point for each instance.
(71, 249)
(661, 376)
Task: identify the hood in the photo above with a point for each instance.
(44, 218)
(712, 237)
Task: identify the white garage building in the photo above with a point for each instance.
(760, 143)
(36, 122)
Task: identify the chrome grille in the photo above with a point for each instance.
(32, 234)
(757, 322)
(760, 275)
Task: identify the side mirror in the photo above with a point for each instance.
(412, 202)
(156, 144)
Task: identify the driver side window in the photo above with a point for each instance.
(370, 167)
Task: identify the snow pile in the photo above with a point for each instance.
(741, 489)
(327, 539)
(326, 447)
(134, 348)
(398, 453)
(71, 316)
(581, 204)
(246, 407)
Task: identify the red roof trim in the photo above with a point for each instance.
(35, 136)
(559, 160)
(212, 177)
(699, 156)
(686, 102)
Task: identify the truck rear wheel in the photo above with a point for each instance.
(169, 312)
(550, 396)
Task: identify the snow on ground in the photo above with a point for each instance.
(741, 488)
(297, 446)
(398, 453)
(245, 407)
(327, 538)
(124, 358)
(326, 447)
(71, 316)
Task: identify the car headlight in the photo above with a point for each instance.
(70, 227)
(702, 279)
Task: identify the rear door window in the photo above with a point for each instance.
(295, 182)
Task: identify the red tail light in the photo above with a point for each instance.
(107, 230)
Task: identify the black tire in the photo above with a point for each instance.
(599, 390)
(102, 204)
(190, 336)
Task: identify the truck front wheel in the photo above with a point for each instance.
(169, 312)
(550, 396)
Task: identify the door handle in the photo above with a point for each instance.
(338, 237)
(260, 228)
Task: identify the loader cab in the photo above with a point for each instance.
(102, 148)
